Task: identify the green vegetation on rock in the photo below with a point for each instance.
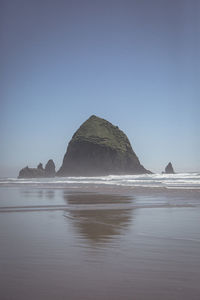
(102, 132)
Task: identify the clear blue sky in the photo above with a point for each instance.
(135, 63)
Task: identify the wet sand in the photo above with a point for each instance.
(99, 243)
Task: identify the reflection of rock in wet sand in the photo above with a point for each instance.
(32, 193)
(38, 193)
(50, 194)
(99, 217)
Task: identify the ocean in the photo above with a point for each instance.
(169, 181)
(132, 237)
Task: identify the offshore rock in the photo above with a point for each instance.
(40, 166)
(49, 171)
(99, 148)
(169, 169)
(50, 168)
(31, 173)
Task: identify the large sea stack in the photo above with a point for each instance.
(100, 148)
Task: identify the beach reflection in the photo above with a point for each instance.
(38, 193)
(99, 218)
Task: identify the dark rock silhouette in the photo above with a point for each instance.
(40, 166)
(50, 168)
(31, 172)
(169, 169)
(99, 148)
(49, 171)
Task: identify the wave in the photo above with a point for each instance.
(181, 180)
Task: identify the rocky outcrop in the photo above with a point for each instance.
(31, 172)
(40, 166)
(49, 171)
(50, 168)
(169, 169)
(100, 148)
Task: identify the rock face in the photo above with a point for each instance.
(49, 171)
(169, 169)
(99, 148)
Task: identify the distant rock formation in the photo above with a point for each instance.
(100, 148)
(169, 169)
(50, 168)
(49, 171)
(40, 166)
(31, 172)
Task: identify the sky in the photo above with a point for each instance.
(135, 63)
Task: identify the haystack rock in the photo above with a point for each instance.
(100, 148)
(169, 169)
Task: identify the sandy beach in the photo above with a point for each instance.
(97, 243)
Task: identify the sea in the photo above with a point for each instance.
(132, 237)
(169, 181)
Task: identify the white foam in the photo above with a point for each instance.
(181, 180)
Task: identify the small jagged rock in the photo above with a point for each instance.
(40, 166)
(169, 169)
(31, 173)
(38, 172)
(50, 168)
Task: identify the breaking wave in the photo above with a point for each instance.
(181, 181)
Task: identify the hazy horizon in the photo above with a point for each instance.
(133, 63)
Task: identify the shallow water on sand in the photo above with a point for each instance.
(113, 243)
